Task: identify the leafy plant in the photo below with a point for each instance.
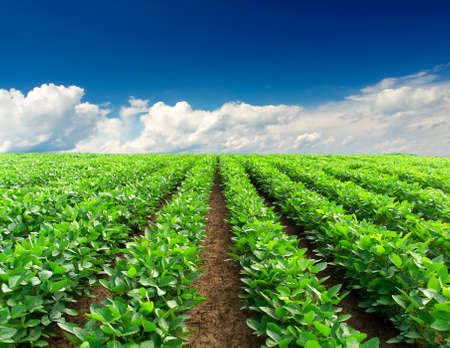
(291, 306)
(47, 260)
(372, 207)
(392, 269)
(153, 281)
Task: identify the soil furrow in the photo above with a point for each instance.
(370, 323)
(219, 321)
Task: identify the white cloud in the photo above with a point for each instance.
(418, 79)
(236, 127)
(48, 118)
(406, 114)
(137, 106)
(307, 137)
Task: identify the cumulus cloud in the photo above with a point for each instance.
(235, 127)
(307, 137)
(137, 106)
(48, 118)
(406, 114)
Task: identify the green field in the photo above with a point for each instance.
(105, 250)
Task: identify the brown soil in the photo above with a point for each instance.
(82, 306)
(98, 293)
(219, 321)
(371, 324)
(163, 203)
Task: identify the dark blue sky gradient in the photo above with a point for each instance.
(208, 53)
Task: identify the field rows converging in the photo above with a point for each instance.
(219, 320)
(224, 251)
(374, 326)
(97, 294)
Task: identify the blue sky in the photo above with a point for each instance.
(209, 53)
(234, 76)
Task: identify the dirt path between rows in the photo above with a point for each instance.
(371, 324)
(219, 321)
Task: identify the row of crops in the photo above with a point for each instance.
(71, 222)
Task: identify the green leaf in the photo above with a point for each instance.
(4, 315)
(70, 311)
(45, 274)
(6, 333)
(172, 303)
(35, 281)
(35, 334)
(312, 344)
(433, 283)
(147, 307)
(148, 325)
(274, 332)
(440, 325)
(372, 343)
(143, 292)
(56, 268)
(132, 272)
(190, 252)
(33, 322)
(69, 327)
(284, 343)
(114, 344)
(147, 344)
(5, 288)
(344, 317)
(58, 285)
(130, 330)
(12, 282)
(396, 260)
(320, 266)
(309, 317)
(167, 281)
(255, 325)
(160, 291)
(45, 320)
(400, 301)
(412, 334)
(18, 311)
(163, 324)
(55, 315)
(351, 342)
(334, 290)
(107, 330)
(323, 329)
(444, 307)
(417, 320)
(120, 288)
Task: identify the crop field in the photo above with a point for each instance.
(148, 251)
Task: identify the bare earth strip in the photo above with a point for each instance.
(219, 321)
